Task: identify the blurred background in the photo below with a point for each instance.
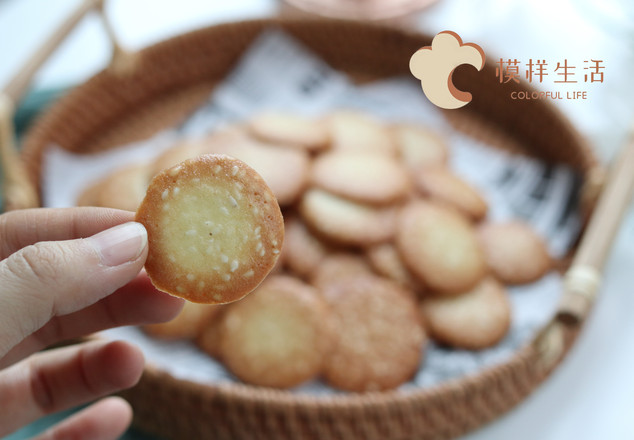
(592, 394)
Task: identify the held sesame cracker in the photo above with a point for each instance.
(214, 228)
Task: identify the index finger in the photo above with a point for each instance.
(24, 227)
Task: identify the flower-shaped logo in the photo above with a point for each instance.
(434, 66)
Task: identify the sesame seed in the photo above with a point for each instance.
(274, 242)
(224, 210)
(234, 265)
(234, 170)
(276, 251)
(249, 273)
(233, 202)
(201, 284)
(191, 232)
(217, 169)
(176, 190)
(180, 289)
(164, 194)
(217, 296)
(224, 258)
(262, 253)
(191, 277)
(226, 277)
(174, 171)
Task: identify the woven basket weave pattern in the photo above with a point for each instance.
(171, 79)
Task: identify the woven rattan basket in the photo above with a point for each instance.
(170, 79)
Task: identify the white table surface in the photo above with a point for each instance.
(591, 395)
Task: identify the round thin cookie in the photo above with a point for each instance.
(303, 252)
(419, 147)
(124, 188)
(336, 267)
(175, 155)
(214, 229)
(290, 129)
(347, 222)
(362, 176)
(209, 337)
(278, 336)
(473, 320)
(284, 169)
(440, 247)
(187, 324)
(387, 262)
(354, 130)
(380, 336)
(514, 252)
(443, 186)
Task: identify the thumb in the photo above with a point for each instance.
(54, 278)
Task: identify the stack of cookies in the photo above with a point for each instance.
(385, 248)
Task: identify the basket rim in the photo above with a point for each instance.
(525, 358)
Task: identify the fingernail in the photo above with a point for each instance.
(120, 244)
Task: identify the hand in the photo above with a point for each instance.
(57, 285)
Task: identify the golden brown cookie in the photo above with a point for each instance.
(442, 186)
(175, 155)
(420, 147)
(303, 252)
(284, 169)
(440, 247)
(380, 336)
(89, 195)
(354, 130)
(474, 320)
(336, 267)
(362, 176)
(214, 229)
(347, 222)
(278, 336)
(386, 261)
(187, 324)
(514, 252)
(124, 188)
(209, 337)
(290, 129)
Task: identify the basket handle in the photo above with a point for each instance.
(19, 190)
(583, 278)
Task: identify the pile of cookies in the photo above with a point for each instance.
(385, 248)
